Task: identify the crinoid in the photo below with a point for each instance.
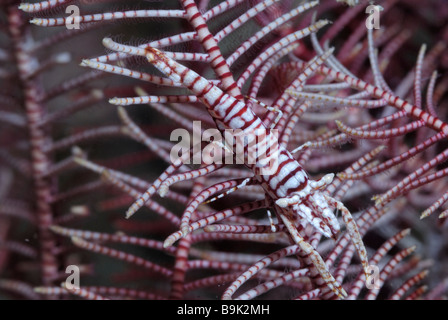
(237, 156)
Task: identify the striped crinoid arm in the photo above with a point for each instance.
(415, 178)
(44, 98)
(258, 267)
(355, 287)
(413, 120)
(42, 5)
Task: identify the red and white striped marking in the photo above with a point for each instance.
(289, 186)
